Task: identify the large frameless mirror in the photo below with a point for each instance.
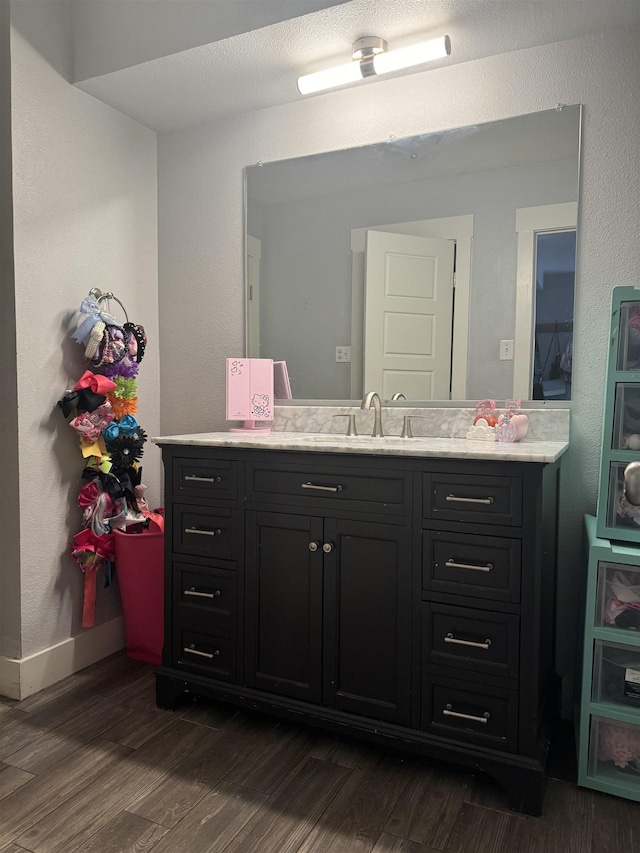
(438, 267)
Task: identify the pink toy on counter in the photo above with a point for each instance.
(250, 392)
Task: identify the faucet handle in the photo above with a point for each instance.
(351, 426)
(406, 427)
(407, 432)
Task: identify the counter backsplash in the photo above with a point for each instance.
(544, 424)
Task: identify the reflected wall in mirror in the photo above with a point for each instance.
(438, 266)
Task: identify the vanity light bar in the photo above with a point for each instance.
(374, 63)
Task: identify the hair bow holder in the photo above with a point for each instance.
(100, 409)
(105, 340)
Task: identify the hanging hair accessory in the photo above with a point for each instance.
(91, 307)
(89, 425)
(137, 341)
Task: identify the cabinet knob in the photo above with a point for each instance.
(313, 546)
(327, 547)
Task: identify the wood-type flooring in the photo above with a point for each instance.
(90, 765)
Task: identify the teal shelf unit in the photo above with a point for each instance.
(608, 701)
(618, 519)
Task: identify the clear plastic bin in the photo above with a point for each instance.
(614, 751)
(629, 336)
(616, 674)
(618, 597)
(620, 513)
(626, 420)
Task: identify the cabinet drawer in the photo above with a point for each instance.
(470, 712)
(471, 639)
(330, 486)
(207, 532)
(215, 655)
(205, 478)
(205, 597)
(473, 497)
(467, 564)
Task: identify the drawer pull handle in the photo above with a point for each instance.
(448, 712)
(321, 488)
(313, 546)
(216, 532)
(451, 639)
(451, 564)
(469, 500)
(193, 479)
(208, 655)
(193, 591)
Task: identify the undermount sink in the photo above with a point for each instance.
(332, 438)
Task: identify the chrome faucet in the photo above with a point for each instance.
(367, 400)
(398, 396)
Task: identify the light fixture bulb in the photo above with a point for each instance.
(407, 57)
(370, 58)
(330, 78)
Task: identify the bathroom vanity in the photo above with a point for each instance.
(402, 591)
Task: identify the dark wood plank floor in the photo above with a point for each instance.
(91, 765)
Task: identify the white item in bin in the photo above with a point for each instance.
(617, 743)
(623, 590)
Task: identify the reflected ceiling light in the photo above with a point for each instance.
(371, 58)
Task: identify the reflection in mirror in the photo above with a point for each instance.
(438, 267)
(553, 330)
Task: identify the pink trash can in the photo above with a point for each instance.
(139, 570)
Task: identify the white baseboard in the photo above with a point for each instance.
(21, 678)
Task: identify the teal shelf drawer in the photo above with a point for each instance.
(617, 605)
(626, 418)
(613, 762)
(608, 700)
(621, 517)
(626, 316)
(619, 496)
(616, 674)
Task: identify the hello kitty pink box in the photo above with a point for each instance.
(250, 392)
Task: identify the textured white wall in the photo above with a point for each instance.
(84, 188)
(201, 223)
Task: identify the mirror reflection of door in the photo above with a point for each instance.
(408, 315)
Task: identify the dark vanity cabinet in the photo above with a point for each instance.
(325, 605)
(408, 601)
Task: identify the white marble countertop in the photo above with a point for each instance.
(422, 446)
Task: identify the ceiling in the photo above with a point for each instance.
(168, 78)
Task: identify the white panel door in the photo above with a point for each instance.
(408, 315)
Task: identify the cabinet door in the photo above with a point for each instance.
(367, 641)
(283, 594)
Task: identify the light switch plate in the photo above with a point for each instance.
(506, 350)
